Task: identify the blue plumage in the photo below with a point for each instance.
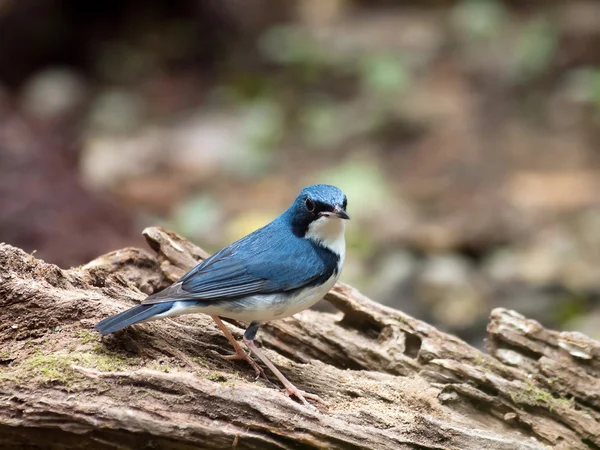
(276, 271)
(133, 315)
(269, 260)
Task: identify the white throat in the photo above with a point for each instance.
(328, 231)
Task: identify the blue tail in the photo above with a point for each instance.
(131, 316)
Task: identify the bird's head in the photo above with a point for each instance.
(319, 213)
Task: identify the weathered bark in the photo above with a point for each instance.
(393, 382)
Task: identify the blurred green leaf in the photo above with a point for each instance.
(365, 185)
(247, 222)
(320, 121)
(196, 216)
(593, 87)
(264, 125)
(360, 242)
(242, 88)
(536, 48)
(480, 18)
(570, 307)
(584, 86)
(289, 45)
(263, 131)
(585, 83)
(117, 111)
(384, 74)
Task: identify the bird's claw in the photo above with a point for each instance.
(303, 395)
(244, 356)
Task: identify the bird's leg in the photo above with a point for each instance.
(249, 336)
(239, 351)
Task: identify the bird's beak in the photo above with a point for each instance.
(339, 211)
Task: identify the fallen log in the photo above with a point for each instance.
(392, 381)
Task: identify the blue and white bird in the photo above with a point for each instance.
(278, 270)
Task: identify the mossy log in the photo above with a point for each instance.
(392, 382)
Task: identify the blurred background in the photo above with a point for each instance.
(465, 133)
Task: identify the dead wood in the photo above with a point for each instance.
(393, 382)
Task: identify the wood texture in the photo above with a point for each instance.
(392, 382)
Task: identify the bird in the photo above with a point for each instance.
(274, 272)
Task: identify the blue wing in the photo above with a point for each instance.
(272, 259)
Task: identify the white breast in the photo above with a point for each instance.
(328, 231)
(305, 298)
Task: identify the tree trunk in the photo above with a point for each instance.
(392, 382)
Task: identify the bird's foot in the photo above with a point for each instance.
(242, 355)
(303, 395)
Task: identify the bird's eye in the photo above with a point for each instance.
(310, 205)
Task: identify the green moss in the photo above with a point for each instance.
(48, 368)
(216, 376)
(87, 336)
(535, 396)
(144, 393)
(486, 363)
(99, 348)
(557, 379)
(200, 361)
(109, 361)
(164, 367)
(4, 376)
(57, 368)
